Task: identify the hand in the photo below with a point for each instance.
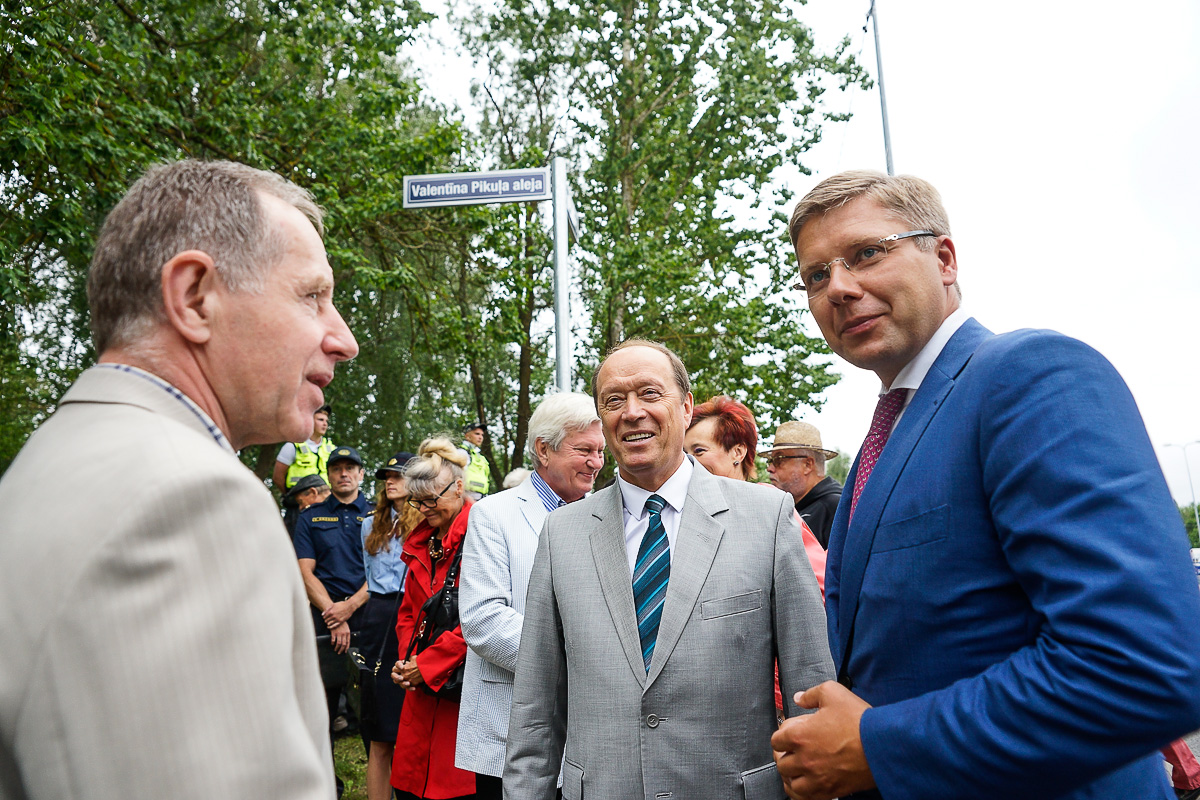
(406, 675)
(340, 636)
(820, 755)
(337, 613)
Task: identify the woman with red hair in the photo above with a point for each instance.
(723, 437)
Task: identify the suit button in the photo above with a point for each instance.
(652, 720)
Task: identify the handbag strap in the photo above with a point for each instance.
(447, 585)
(383, 644)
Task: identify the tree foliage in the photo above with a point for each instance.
(672, 113)
(1188, 515)
(93, 93)
(679, 112)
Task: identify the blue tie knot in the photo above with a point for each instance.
(655, 504)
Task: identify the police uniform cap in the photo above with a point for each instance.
(344, 454)
(396, 463)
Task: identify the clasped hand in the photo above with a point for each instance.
(820, 755)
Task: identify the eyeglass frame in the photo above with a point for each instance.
(773, 460)
(828, 265)
(422, 503)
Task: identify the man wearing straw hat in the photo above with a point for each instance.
(796, 464)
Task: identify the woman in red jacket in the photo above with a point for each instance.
(423, 764)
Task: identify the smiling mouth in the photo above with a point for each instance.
(637, 437)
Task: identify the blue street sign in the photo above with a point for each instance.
(476, 188)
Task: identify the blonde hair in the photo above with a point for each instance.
(434, 455)
(913, 199)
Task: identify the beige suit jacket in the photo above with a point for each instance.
(155, 640)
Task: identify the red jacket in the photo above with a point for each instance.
(423, 763)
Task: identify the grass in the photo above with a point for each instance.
(351, 764)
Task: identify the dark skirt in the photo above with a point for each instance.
(379, 627)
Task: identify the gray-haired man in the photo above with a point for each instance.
(163, 646)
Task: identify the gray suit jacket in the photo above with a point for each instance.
(698, 726)
(502, 538)
(156, 637)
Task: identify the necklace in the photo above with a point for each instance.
(435, 547)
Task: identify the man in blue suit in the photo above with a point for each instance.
(1012, 613)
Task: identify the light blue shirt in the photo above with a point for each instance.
(385, 570)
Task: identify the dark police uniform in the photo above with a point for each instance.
(330, 533)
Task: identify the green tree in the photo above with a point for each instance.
(1188, 515)
(680, 110)
(93, 93)
(838, 467)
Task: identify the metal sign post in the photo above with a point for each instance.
(515, 186)
(562, 301)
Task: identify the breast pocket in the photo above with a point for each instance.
(572, 775)
(727, 606)
(914, 530)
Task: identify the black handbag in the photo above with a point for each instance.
(438, 615)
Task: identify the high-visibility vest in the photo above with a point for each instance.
(309, 462)
(478, 474)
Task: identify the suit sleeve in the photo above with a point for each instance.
(191, 623)
(537, 727)
(799, 613)
(490, 624)
(1086, 524)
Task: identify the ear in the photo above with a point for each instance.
(189, 286)
(687, 410)
(541, 450)
(738, 451)
(947, 260)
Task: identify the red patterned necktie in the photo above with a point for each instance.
(886, 411)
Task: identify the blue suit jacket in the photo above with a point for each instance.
(1015, 595)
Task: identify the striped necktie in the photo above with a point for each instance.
(650, 575)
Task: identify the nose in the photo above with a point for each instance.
(595, 460)
(843, 284)
(339, 341)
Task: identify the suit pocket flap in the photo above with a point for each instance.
(738, 604)
(763, 783)
(572, 777)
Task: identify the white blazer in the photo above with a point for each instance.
(501, 540)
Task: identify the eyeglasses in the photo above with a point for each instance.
(814, 279)
(429, 502)
(774, 461)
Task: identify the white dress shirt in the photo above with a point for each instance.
(914, 372)
(637, 518)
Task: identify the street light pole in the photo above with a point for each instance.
(887, 135)
(1191, 486)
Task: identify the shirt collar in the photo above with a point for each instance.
(674, 490)
(549, 497)
(914, 372)
(190, 404)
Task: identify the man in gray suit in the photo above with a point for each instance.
(655, 613)
(567, 447)
(157, 640)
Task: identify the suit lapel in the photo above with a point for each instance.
(695, 547)
(857, 543)
(612, 567)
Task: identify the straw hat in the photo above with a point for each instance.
(793, 434)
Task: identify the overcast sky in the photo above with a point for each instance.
(1062, 138)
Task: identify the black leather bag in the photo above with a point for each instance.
(438, 615)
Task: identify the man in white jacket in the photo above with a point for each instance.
(567, 447)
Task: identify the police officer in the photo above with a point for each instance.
(329, 549)
(477, 478)
(297, 459)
